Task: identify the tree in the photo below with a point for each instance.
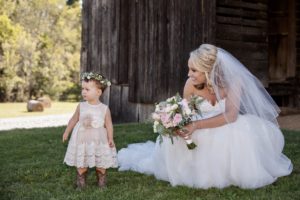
(44, 51)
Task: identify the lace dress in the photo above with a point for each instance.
(246, 153)
(88, 146)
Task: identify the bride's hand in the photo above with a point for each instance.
(180, 133)
(189, 129)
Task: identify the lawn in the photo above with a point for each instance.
(20, 109)
(31, 168)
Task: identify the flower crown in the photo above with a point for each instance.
(96, 76)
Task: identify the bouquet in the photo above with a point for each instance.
(173, 114)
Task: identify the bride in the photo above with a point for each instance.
(237, 136)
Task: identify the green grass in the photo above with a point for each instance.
(20, 109)
(31, 168)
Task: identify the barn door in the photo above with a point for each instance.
(282, 40)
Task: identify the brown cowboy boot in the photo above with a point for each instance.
(80, 182)
(101, 179)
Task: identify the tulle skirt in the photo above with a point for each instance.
(246, 153)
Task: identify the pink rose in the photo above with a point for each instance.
(177, 119)
(165, 118)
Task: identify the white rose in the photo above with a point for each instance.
(174, 107)
(155, 116)
(170, 99)
(168, 109)
(187, 111)
(157, 108)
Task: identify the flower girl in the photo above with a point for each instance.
(91, 143)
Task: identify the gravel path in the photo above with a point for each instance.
(290, 122)
(34, 122)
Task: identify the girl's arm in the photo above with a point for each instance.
(72, 122)
(109, 128)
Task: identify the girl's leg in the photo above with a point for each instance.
(81, 177)
(81, 170)
(101, 177)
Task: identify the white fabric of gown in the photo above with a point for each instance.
(246, 153)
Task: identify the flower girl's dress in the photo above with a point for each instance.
(246, 153)
(88, 146)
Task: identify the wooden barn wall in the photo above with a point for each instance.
(283, 81)
(242, 29)
(143, 46)
(162, 33)
(297, 10)
(104, 49)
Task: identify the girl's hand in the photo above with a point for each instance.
(65, 137)
(111, 143)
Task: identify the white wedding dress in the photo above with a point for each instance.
(246, 153)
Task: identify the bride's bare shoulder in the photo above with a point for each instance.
(189, 89)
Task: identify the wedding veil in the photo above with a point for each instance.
(243, 90)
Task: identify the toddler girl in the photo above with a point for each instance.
(91, 143)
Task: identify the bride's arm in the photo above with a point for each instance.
(230, 114)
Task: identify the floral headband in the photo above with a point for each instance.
(96, 76)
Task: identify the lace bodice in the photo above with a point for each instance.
(208, 110)
(92, 116)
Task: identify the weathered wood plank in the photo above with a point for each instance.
(84, 37)
(240, 21)
(257, 1)
(239, 33)
(165, 33)
(144, 112)
(245, 50)
(129, 111)
(291, 62)
(115, 105)
(242, 4)
(242, 13)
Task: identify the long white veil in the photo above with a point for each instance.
(243, 89)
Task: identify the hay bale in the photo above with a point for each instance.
(34, 106)
(46, 101)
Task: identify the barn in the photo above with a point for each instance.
(143, 46)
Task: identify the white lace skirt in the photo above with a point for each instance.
(246, 153)
(89, 148)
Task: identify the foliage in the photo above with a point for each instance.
(31, 168)
(39, 48)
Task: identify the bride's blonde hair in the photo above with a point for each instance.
(204, 59)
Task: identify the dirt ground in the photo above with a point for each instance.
(290, 122)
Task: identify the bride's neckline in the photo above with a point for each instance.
(206, 92)
(209, 102)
